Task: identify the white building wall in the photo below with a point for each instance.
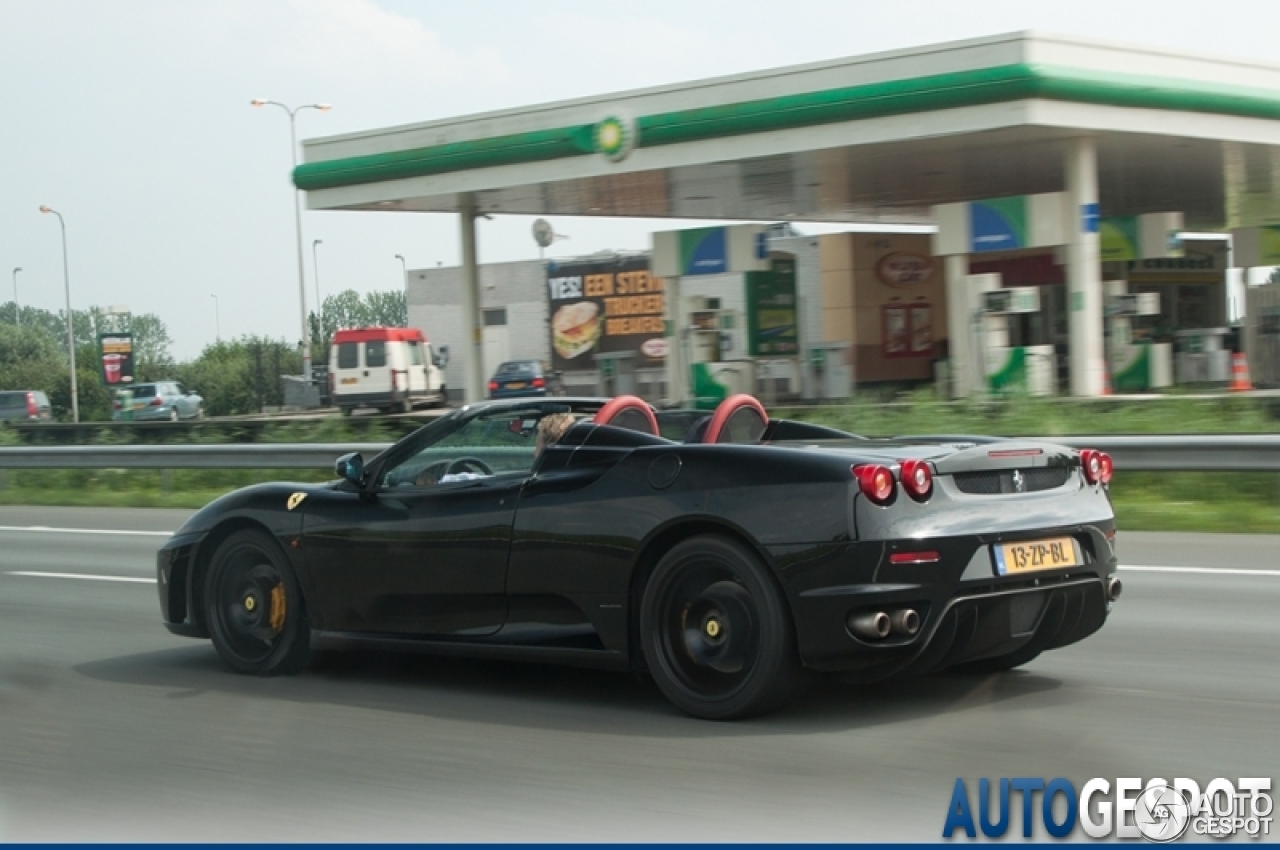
(527, 336)
(442, 325)
(809, 298)
(434, 299)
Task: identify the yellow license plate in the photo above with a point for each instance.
(516, 385)
(1031, 555)
(350, 381)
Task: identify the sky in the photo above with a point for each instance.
(132, 118)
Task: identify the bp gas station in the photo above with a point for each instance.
(1063, 178)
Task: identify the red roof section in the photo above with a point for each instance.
(374, 334)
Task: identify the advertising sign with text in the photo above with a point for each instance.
(605, 306)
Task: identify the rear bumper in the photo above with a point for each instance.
(531, 392)
(145, 414)
(967, 612)
(369, 399)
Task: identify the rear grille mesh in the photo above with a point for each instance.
(1003, 481)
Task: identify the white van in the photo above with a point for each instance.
(386, 368)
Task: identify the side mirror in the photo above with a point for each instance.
(350, 467)
(442, 357)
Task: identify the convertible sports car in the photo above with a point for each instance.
(728, 559)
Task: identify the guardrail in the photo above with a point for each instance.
(1191, 453)
(252, 456)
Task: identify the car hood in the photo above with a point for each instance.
(258, 501)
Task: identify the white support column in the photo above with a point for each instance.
(473, 385)
(959, 327)
(1084, 272)
(677, 368)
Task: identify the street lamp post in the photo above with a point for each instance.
(297, 219)
(315, 270)
(217, 318)
(71, 337)
(17, 316)
(404, 271)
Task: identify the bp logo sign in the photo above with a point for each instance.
(614, 137)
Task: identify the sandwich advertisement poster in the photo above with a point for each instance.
(602, 307)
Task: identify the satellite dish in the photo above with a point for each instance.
(543, 233)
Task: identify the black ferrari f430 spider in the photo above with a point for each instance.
(727, 554)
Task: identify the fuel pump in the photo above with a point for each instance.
(716, 369)
(1134, 365)
(1029, 368)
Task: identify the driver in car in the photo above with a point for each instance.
(550, 429)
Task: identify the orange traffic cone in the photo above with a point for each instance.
(1239, 373)
(1106, 379)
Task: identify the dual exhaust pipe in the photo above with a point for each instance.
(905, 622)
(1114, 588)
(878, 625)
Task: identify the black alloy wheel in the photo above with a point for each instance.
(716, 633)
(254, 607)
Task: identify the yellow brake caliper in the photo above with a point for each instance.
(277, 608)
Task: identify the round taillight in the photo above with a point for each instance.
(917, 479)
(1092, 465)
(876, 482)
(1107, 467)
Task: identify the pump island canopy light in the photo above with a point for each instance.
(884, 138)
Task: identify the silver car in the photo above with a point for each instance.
(162, 400)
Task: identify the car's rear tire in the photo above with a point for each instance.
(254, 608)
(716, 633)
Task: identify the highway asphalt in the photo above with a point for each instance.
(112, 729)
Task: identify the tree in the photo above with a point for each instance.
(241, 376)
(34, 356)
(29, 359)
(151, 341)
(1274, 277)
(348, 309)
(387, 309)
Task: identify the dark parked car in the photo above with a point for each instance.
(24, 406)
(518, 379)
(726, 565)
(162, 400)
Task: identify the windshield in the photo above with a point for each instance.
(521, 368)
(497, 443)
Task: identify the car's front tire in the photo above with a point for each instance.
(716, 633)
(254, 608)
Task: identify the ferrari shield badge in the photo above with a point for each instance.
(296, 499)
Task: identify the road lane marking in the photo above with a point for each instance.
(33, 574)
(1208, 571)
(48, 529)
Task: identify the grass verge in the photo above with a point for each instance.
(1146, 501)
